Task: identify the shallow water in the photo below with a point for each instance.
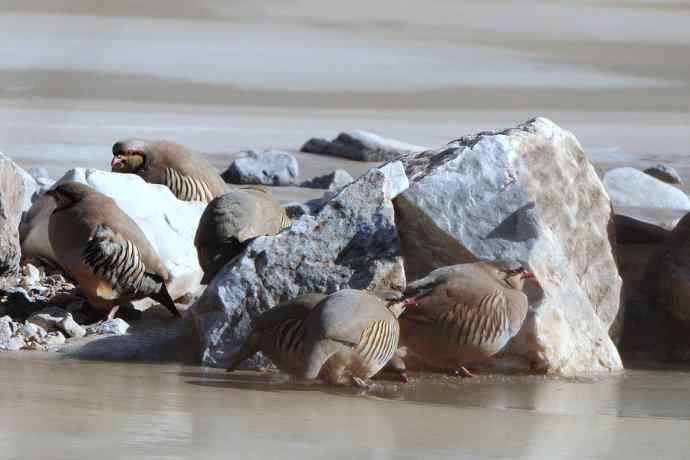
(62, 408)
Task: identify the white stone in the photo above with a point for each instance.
(631, 187)
(116, 326)
(31, 275)
(528, 194)
(168, 223)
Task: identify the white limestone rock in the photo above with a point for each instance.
(633, 188)
(168, 223)
(528, 194)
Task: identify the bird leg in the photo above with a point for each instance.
(360, 383)
(112, 313)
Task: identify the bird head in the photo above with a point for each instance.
(68, 194)
(399, 306)
(512, 273)
(129, 156)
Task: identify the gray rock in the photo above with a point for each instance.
(54, 339)
(271, 167)
(30, 276)
(350, 243)
(39, 173)
(116, 326)
(645, 225)
(633, 188)
(11, 206)
(7, 328)
(664, 173)
(32, 331)
(332, 181)
(71, 328)
(361, 146)
(15, 343)
(56, 319)
(528, 194)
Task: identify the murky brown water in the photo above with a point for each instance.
(59, 408)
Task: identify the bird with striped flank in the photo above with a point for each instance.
(350, 336)
(104, 250)
(188, 175)
(279, 334)
(230, 221)
(465, 313)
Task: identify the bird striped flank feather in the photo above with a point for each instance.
(115, 259)
(477, 326)
(187, 188)
(288, 338)
(378, 343)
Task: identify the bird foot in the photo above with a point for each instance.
(361, 383)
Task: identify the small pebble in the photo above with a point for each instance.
(115, 326)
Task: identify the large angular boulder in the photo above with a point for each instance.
(350, 243)
(168, 223)
(361, 146)
(529, 194)
(633, 188)
(271, 167)
(11, 205)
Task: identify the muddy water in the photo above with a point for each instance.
(59, 408)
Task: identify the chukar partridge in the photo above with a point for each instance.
(278, 333)
(350, 336)
(465, 313)
(104, 250)
(188, 175)
(230, 221)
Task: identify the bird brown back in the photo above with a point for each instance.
(188, 175)
(231, 220)
(464, 313)
(104, 249)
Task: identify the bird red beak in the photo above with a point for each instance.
(409, 303)
(527, 275)
(116, 161)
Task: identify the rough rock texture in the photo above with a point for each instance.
(11, 205)
(114, 326)
(351, 242)
(271, 167)
(631, 187)
(34, 186)
(644, 225)
(169, 224)
(361, 146)
(529, 194)
(664, 173)
(332, 181)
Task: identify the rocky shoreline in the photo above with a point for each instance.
(609, 267)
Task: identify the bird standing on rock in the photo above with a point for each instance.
(344, 338)
(465, 313)
(104, 250)
(231, 220)
(188, 175)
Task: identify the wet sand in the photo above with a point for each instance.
(225, 76)
(79, 409)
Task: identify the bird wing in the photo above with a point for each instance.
(186, 187)
(297, 308)
(116, 259)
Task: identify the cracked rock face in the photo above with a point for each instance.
(350, 243)
(11, 205)
(528, 194)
